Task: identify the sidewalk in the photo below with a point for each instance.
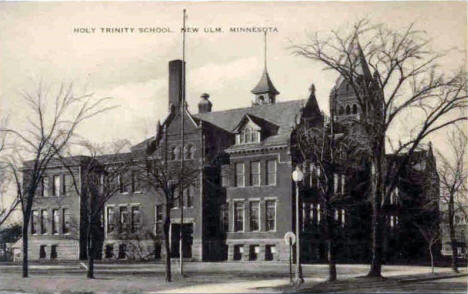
(215, 278)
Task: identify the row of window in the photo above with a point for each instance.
(258, 175)
(43, 251)
(348, 110)
(254, 250)
(174, 152)
(312, 179)
(123, 218)
(312, 216)
(393, 220)
(269, 216)
(247, 136)
(61, 185)
(59, 222)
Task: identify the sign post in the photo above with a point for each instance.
(290, 239)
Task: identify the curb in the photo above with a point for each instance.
(433, 278)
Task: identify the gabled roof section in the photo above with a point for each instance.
(281, 116)
(260, 123)
(154, 141)
(265, 85)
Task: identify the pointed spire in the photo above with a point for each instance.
(265, 85)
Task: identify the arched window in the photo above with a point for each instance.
(189, 152)
(348, 109)
(172, 153)
(261, 99)
(176, 152)
(341, 111)
(354, 108)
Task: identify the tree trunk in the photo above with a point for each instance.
(453, 240)
(432, 259)
(25, 248)
(167, 223)
(377, 190)
(330, 234)
(90, 252)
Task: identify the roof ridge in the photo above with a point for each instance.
(253, 107)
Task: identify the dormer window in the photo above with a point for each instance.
(247, 136)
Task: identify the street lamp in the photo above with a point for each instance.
(298, 176)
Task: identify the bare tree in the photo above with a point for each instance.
(406, 79)
(52, 122)
(331, 150)
(453, 174)
(431, 235)
(5, 178)
(102, 177)
(164, 177)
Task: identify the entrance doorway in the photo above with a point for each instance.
(187, 239)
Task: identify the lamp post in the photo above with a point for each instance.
(298, 176)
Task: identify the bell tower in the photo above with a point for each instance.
(265, 92)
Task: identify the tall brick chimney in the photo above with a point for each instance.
(176, 69)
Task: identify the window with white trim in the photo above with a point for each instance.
(66, 220)
(238, 216)
(271, 172)
(57, 185)
(136, 218)
(240, 174)
(55, 221)
(255, 173)
(270, 215)
(110, 219)
(254, 212)
(44, 221)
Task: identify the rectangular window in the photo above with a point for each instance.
(254, 212)
(66, 184)
(135, 182)
(319, 213)
(34, 221)
(55, 221)
(255, 173)
(53, 252)
(123, 184)
(270, 215)
(57, 185)
(44, 221)
(240, 175)
(271, 172)
(123, 219)
(238, 216)
(66, 220)
(189, 196)
(136, 218)
(110, 219)
(335, 183)
(225, 177)
(306, 216)
(158, 219)
(45, 187)
(343, 217)
(224, 218)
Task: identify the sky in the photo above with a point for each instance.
(48, 42)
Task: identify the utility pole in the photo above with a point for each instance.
(182, 152)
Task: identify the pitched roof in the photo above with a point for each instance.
(265, 85)
(282, 114)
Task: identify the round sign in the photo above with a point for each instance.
(290, 238)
